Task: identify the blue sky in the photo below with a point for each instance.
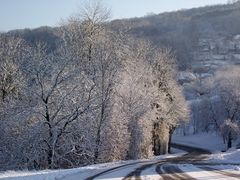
(17, 14)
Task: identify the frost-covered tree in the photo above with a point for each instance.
(142, 101)
(170, 106)
(225, 85)
(229, 131)
(49, 123)
(82, 31)
(60, 96)
(12, 51)
(132, 100)
(97, 53)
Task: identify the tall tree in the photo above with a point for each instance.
(96, 50)
(13, 51)
(170, 105)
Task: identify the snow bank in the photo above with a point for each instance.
(213, 143)
(229, 168)
(198, 173)
(231, 156)
(56, 174)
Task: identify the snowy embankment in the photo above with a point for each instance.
(226, 163)
(82, 172)
(232, 156)
(213, 143)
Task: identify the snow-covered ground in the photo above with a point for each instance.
(232, 156)
(82, 172)
(228, 162)
(199, 173)
(211, 142)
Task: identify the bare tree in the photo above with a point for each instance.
(226, 84)
(96, 50)
(11, 53)
(53, 121)
(132, 100)
(147, 100)
(13, 50)
(82, 30)
(170, 105)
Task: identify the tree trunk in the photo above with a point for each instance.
(4, 94)
(164, 147)
(160, 138)
(96, 151)
(155, 140)
(229, 143)
(50, 152)
(156, 145)
(98, 138)
(49, 158)
(171, 131)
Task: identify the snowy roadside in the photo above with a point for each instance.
(82, 172)
(228, 161)
(205, 141)
(232, 156)
(213, 143)
(199, 173)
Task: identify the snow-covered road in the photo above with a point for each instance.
(192, 165)
(189, 166)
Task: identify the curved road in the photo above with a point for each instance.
(187, 167)
(171, 172)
